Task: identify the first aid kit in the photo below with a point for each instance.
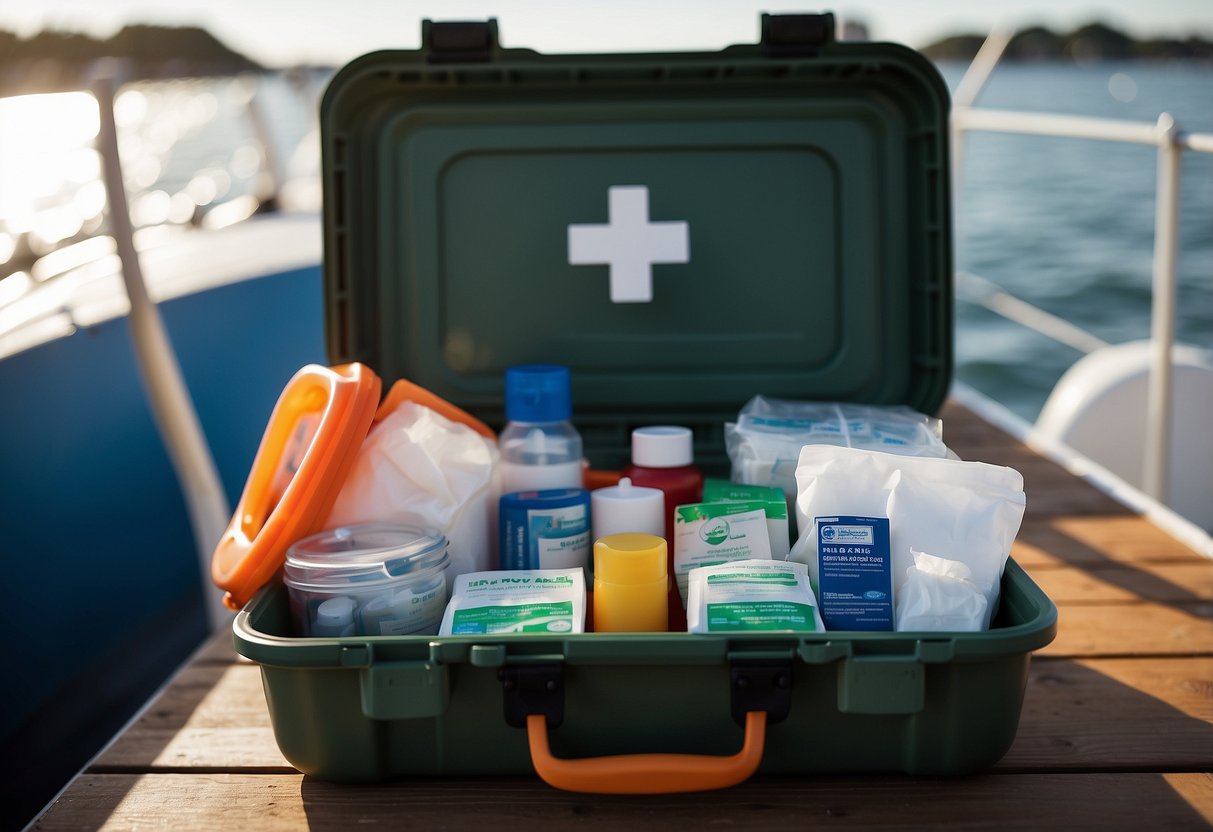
(682, 231)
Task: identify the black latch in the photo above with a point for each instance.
(533, 689)
(795, 35)
(760, 686)
(458, 42)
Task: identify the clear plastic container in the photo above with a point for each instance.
(540, 448)
(368, 580)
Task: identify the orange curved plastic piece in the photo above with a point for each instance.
(406, 391)
(593, 478)
(647, 773)
(282, 503)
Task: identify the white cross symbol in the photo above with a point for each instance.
(630, 244)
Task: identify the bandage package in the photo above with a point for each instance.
(964, 512)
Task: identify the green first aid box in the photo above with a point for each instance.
(683, 231)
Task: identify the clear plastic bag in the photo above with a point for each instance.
(764, 443)
(419, 468)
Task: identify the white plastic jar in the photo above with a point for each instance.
(368, 580)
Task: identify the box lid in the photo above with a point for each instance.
(683, 230)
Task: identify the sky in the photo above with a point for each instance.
(285, 32)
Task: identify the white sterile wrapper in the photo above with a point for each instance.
(764, 443)
(938, 595)
(752, 596)
(517, 601)
(961, 511)
(419, 468)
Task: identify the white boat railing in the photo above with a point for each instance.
(1171, 142)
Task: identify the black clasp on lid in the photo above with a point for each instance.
(456, 42)
(533, 689)
(796, 35)
(760, 686)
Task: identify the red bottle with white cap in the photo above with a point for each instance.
(663, 457)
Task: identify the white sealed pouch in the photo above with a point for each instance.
(752, 596)
(516, 601)
(416, 467)
(961, 511)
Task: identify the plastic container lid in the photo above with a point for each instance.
(662, 446)
(630, 558)
(332, 408)
(356, 556)
(627, 508)
(538, 393)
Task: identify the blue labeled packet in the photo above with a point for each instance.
(855, 579)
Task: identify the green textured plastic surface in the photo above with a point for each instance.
(374, 708)
(815, 187)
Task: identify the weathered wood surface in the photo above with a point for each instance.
(291, 802)
(1116, 729)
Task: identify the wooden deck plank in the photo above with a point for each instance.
(1097, 541)
(1163, 583)
(237, 801)
(1133, 629)
(1116, 714)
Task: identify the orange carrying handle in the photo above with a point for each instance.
(328, 412)
(647, 773)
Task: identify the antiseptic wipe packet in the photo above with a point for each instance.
(959, 511)
(709, 533)
(752, 596)
(519, 601)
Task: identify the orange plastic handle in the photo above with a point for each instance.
(647, 773)
(267, 522)
(406, 391)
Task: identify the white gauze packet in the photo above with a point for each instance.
(939, 595)
(964, 511)
(752, 596)
(518, 601)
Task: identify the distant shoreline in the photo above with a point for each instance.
(53, 61)
(1092, 43)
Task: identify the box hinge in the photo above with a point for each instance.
(760, 686)
(796, 35)
(533, 689)
(459, 42)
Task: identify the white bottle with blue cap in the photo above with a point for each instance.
(540, 448)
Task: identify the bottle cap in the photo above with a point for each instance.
(627, 508)
(663, 446)
(630, 558)
(537, 393)
(335, 612)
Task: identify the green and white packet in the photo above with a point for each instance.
(517, 601)
(719, 532)
(752, 596)
(776, 507)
